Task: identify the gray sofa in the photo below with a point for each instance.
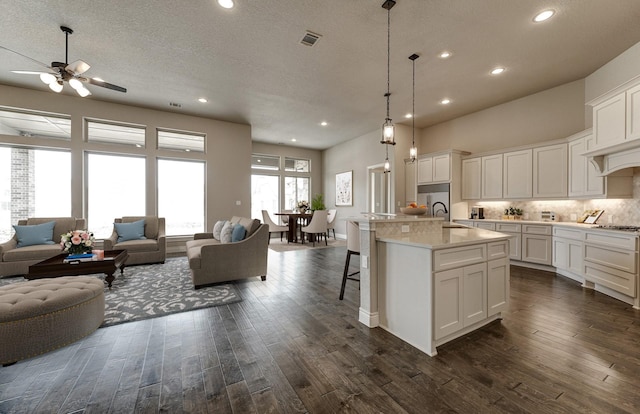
(153, 249)
(16, 260)
(212, 262)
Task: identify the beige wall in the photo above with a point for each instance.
(623, 68)
(547, 115)
(228, 156)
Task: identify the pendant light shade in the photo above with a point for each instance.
(413, 151)
(388, 129)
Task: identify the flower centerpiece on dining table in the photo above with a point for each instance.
(77, 242)
(303, 206)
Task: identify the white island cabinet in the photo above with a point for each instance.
(430, 287)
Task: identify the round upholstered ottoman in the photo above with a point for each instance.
(44, 314)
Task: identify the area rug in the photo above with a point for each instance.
(283, 246)
(149, 291)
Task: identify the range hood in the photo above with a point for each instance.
(616, 157)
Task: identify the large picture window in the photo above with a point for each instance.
(181, 196)
(115, 188)
(265, 190)
(295, 189)
(33, 183)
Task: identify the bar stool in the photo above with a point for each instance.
(353, 247)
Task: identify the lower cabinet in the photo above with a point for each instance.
(497, 286)
(536, 244)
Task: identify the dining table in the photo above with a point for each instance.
(296, 220)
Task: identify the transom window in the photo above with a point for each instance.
(265, 162)
(296, 164)
(113, 133)
(34, 124)
(182, 141)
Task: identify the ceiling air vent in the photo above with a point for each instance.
(175, 105)
(310, 38)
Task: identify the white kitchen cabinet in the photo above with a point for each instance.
(425, 170)
(472, 179)
(536, 243)
(410, 188)
(609, 126)
(633, 114)
(517, 174)
(434, 169)
(460, 298)
(485, 225)
(491, 177)
(515, 242)
(497, 286)
(567, 255)
(550, 171)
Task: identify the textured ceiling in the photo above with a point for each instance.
(250, 64)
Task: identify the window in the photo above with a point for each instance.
(181, 196)
(115, 188)
(33, 183)
(183, 141)
(265, 162)
(113, 133)
(295, 189)
(297, 165)
(264, 195)
(34, 124)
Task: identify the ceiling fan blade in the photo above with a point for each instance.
(107, 85)
(26, 57)
(29, 72)
(78, 67)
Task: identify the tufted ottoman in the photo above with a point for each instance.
(41, 315)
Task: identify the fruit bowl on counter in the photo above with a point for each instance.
(413, 209)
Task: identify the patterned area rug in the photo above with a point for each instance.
(149, 291)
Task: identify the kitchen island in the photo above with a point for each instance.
(427, 283)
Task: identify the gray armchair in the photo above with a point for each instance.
(153, 249)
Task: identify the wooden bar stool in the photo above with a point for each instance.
(353, 247)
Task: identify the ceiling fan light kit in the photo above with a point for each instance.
(67, 72)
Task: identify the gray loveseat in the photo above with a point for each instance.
(16, 260)
(212, 261)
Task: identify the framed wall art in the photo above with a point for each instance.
(344, 188)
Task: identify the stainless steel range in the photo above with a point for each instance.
(621, 228)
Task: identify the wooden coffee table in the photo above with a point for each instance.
(55, 266)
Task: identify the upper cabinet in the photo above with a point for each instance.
(550, 171)
(434, 169)
(616, 120)
(517, 181)
(472, 178)
(491, 177)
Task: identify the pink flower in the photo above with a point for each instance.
(76, 239)
(85, 236)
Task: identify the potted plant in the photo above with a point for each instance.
(518, 215)
(317, 203)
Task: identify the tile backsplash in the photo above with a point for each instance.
(616, 211)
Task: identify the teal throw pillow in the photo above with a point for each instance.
(130, 231)
(35, 234)
(238, 233)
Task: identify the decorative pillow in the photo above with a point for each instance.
(35, 234)
(217, 228)
(238, 233)
(226, 232)
(130, 231)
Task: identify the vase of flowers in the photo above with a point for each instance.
(77, 242)
(303, 206)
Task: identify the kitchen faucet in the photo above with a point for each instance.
(433, 208)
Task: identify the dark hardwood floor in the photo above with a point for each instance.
(292, 346)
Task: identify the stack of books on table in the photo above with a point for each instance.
(77, 258)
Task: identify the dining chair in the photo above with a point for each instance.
(353, 247)
(317, 227)
(273, 227)
(285, 219)
(331, 220)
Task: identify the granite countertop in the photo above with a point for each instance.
(449, 237)
(554, 223)
(391, 218)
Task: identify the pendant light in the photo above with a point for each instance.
(388, 129)
(413, 152)
(387, 164)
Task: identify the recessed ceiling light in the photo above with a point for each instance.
(324, 123)
(444, 55)
(445, 101)
(227, 4)
(203, 100)
(187, 150)
(293, 140)
(545, 15)
(408, 116)
(497, 71)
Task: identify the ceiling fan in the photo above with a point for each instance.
(59, 72)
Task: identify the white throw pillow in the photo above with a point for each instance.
(217, 228)
(227, 231)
